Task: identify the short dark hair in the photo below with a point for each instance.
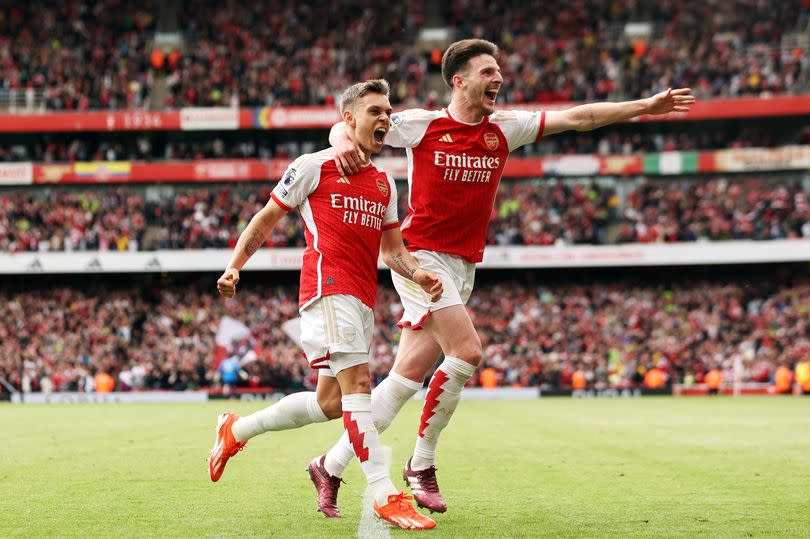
(353, 93)
(459, 53)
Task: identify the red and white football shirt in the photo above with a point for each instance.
(454, 170)
(344, 218)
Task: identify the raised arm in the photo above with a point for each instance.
(348, 157)
(397, 257)
(250, 240)
(596, 115)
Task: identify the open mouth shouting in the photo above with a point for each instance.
(490, 96)
(379, 135)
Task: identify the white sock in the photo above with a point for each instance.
(366, 443)
(443, 394)
(386, 401)
(291, 412)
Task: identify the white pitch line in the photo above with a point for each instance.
(371, 526)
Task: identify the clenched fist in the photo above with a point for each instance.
(226, 285)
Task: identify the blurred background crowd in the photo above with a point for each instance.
(82, 54)
(526, 212)
(598, 335)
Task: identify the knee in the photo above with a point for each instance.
(357, 383)
(413, 371)
(330, 406)
(470, 352)
(361, 384)
(414, 365)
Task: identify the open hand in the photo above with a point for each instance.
(430, 283)
(671, 101)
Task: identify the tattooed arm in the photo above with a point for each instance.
(249, 242)
(397, 257)
(596, 115)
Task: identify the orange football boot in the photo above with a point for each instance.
(400, 512)
(225, 446)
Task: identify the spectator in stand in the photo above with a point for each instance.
(56, 220)
(582, 52)
(526, 212)
(293, 53)
(86, 54)
(79, 55)
(783, 379)
(715, 210)
(803, 374)
(714, 379)
(609, 335)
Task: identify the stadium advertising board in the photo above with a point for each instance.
(207, 119)
(222, 118)
(52, 122)
(753, 159)
(141, 121)
(293, 117)
(206, 170)
(102, 171)
(115, 397)
(16, 173)
(496, 257)
(743, 388)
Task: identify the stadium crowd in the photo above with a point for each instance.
(55, 220)
(294, 53)
(90, 55)
(540, 212)
(527, 212)
(80, 54)
(583, 50)
(610, 335)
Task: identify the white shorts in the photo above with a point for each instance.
(458, 279)
(336, 333)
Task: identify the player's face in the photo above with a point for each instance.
(373, 117)
(482, 82)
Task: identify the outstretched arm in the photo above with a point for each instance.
(596, 115)
(249, 242)
(397, 257)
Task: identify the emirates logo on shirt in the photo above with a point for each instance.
(491, 140)
(382, 185)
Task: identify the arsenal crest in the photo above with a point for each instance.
(492, 141)
(382, 185)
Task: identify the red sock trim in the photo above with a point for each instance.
(356, 438)
(432, 399)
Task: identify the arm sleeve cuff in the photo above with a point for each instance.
(542, 126)
(280, 203)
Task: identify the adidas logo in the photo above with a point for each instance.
(329, 280)
(35, 266)
(94, 265)
(446, 138)
(153, 264)
(343, 179)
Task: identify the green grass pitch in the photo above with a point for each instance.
(646, 467)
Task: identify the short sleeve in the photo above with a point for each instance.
(520, 127)
(299, 180)
(391, 213)
(409, 126)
